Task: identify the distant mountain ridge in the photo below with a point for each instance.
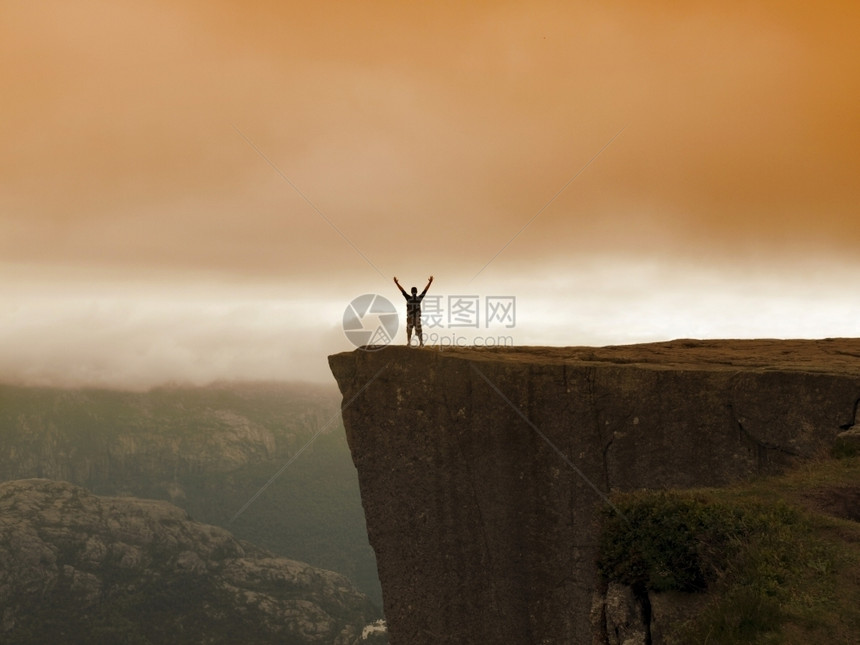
(110, 438)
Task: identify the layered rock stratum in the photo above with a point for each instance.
(79, 568)
(482, 471)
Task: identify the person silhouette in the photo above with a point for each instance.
(413, 311)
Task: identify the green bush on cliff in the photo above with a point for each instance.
(682, 541)
(770, 568)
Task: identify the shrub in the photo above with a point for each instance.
(669, 541)
(754, 555)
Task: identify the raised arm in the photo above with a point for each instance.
(402, 290)
(429, 282)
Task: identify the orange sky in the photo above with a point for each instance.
(428, 134)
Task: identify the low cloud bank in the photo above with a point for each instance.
(137, 337)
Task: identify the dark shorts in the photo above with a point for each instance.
(413, 321)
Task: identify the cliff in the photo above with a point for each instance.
(481, 471)
(77, 568)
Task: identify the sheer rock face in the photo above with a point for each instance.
(64, 548)
(482, 471)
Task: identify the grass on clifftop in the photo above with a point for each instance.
(778, 558)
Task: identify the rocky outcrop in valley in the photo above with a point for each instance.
(78, 568)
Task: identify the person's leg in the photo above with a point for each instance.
(409, 332)
(419, 332)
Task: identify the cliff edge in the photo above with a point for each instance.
(481, 470)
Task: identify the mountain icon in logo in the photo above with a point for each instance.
(370, 321)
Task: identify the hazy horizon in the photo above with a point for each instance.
(194, 191)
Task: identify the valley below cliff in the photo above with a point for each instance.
(208, 450)
(80, 463)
